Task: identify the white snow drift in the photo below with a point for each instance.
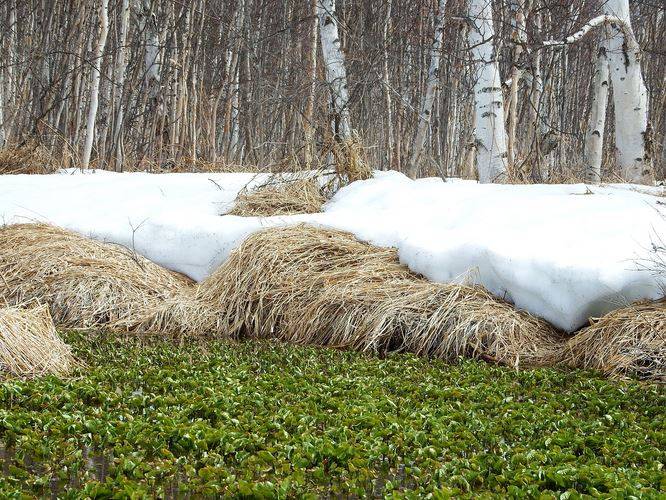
(562, 252)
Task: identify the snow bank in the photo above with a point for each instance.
(563, 252)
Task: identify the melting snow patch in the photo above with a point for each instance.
(562, 252)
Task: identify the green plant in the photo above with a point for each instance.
(150, 417)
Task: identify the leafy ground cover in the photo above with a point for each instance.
(157, 418)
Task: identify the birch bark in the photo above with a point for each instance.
(594, 140)
(308, 118)
(152, 61)
(518, 38)
(430, 91)
(489, 109)
(334, 63)
(386, 86)
(94, 86)
(629, 98)
(119, 77)
(629, 92)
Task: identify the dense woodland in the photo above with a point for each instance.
(422, 86)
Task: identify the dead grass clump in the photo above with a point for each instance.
(311, 285)
(184, 316)
(628, 341)
(280, 196)
(86, 283)
(188, 164)
(349, 162)
(29, 344)
(29, 158)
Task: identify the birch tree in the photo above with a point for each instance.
(595, 133)
(536, 92)
(152, 61)
(119, 83)
(191, 83)
(336, 73)
(430, 91)
(622, 52)
(489, 129)
(386, 86)
(629, 97)
(94, 85)
(518, 40)
(308, 118)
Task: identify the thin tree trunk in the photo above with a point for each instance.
(518, 40)
(94, 87)
(536, 92)
(336, 74)
(595, 134)
(387, 87)
(489, 109)
(152, 61)
(430, 92)
(308, 116)
(121, 65)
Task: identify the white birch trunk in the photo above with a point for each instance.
(119, 77)
(430, 91)
(234, 139)
(629, 92)
(308, 118)
(536, 91)
(152, 61)
(386, 87)
(519, 37)
(594, 141)
(489, 109)
(334, 62)
(629, 98)
(94, 86)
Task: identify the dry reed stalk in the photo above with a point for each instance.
(628, 341)
(311, 285)
(86, 283)
(280, 195)
(202, 165)
(182, 316)
(29, 344)
(349, 162)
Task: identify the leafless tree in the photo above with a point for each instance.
(193, 84)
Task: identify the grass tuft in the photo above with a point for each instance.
(310, 285)
(85, 283)
(627, 342)
(29, 344)
(280, 195)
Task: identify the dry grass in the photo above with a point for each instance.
(29, 344)
(280, 195)
(200, 165)
(628, 341)
(349, 162)
(30, 158)
(310, 285)
(183, 316)
(86, 283)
